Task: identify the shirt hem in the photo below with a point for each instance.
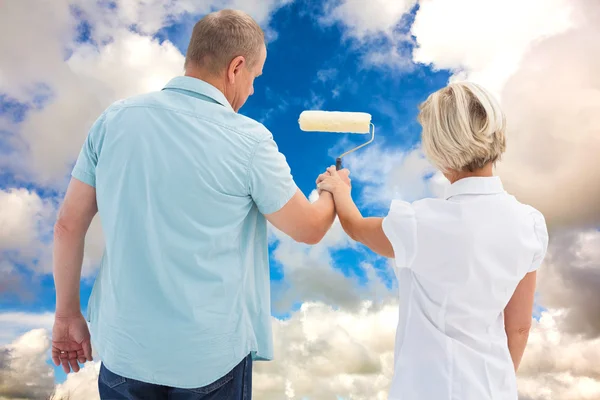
(276, 206)
(84, 177)
(172, 383)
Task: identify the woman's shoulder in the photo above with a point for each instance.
(527, 210)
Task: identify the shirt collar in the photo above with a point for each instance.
(198, 86)
(475, 185)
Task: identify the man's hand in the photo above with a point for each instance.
(71, 342)
(335, 182)
(344, 175)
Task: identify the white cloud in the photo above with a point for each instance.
(15, 324)
(24, 372)
(84, 86)
(149, 16)
(329, 74)
(26, 224)
(485, 40)
(394, 57)
(374, 29)
(364, 21)
(321, 353)
(541, 59)
(393, 174)
(311, 275)
(569, 281)
(80, 386)
(315, 102)
(31, 56)
(81, 86)
(23, 218)
(26, 231)
(552, 159)
(557, 365)
(93, 250)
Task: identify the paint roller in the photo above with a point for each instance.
(338, 122)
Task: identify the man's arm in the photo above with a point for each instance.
(70, 335)
(272, 187)
(303, 221)
(74, 218)
(517, 317)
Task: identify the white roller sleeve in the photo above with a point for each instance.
(335, 121)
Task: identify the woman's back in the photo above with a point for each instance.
(459, 261)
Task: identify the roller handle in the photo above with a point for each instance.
(338, 164)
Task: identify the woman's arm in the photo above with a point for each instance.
(517, 317)
(367, 231)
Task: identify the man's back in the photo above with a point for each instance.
(181, 180)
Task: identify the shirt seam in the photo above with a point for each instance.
(173, 84)
(210, 96)
(191, 114)
(250, 161)
(535, 262)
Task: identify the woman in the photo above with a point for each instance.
(466, 264)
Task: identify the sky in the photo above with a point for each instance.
(334, 304)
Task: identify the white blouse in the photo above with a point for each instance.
(458, 262)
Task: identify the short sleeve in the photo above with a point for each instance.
(400, 227)
(270, 181)
(541, 233)
(85, 167)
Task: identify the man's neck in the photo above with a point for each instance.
(208, 78)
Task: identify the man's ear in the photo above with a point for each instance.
(235, 67)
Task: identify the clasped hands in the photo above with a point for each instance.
(334, 182)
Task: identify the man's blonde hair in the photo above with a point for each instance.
(463, 127)
(221, 36)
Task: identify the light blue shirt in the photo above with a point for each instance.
(182, 184)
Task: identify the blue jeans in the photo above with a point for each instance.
(235, 385)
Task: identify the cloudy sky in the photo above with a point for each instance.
(334, 305)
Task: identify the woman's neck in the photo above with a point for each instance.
(486, 171)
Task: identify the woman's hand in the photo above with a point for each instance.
(335, 182)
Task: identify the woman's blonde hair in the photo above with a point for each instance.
(463, 127)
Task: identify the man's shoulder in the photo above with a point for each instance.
(139, 100)
(248, 126)
(213, 114)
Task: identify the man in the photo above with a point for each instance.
(184, 186)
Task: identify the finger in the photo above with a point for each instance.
(55, 358)
(345, 172)
(87, 350)
(332, 171)
(65, 365)
(74, 365)
(81, 356)
(324, 186)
